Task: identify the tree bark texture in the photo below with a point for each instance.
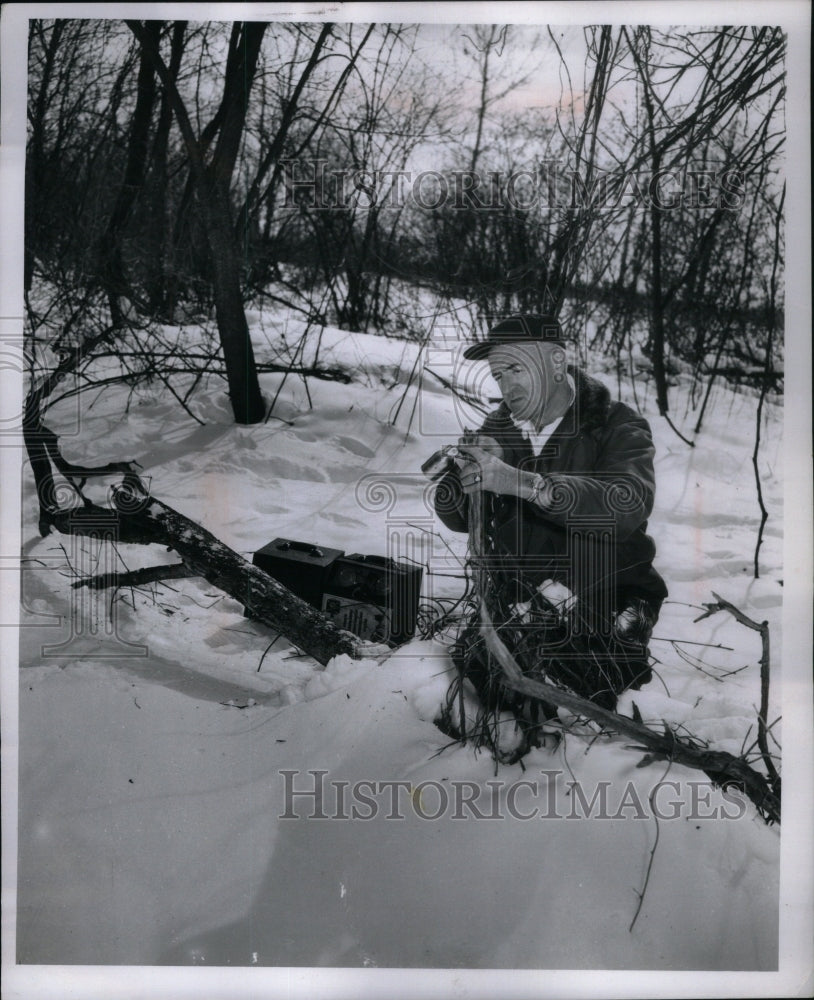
(212, 183)
(145, 520)
(110, 247)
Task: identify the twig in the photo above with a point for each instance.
(678, 432)
(763, 629)
(652, 849)
(136, 577)
(260, 664)
(689, 642)
(455, 390)
(764, 514)
(756, 741)
(696, 664)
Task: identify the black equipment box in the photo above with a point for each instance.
(374, 597)
(300, 566)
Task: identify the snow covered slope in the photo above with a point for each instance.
(156, 755)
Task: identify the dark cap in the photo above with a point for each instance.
(517, 330)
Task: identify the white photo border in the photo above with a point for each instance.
(794, 976)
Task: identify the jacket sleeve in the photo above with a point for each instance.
(451, 503)
(622, 484)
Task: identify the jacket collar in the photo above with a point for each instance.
(591, 405)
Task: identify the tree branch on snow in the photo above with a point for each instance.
(135, 577)
(762, 728)
(723, 768)
(141, 519)
(137, 518)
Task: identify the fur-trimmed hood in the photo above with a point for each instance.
(592, 402)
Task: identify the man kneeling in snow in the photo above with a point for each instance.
(567, 483)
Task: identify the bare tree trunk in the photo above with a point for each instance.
(764, 388)
(657, 310)
(110, 246)
(212, 182)
(290, 108)
(656, 338)
(161, 231)
(35, 156)
(238, 355)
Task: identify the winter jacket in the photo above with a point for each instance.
(593, 535)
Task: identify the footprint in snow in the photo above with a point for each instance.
(351, 522)
(354, 446)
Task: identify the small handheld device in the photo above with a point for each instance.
(443, 460)
(439, 463)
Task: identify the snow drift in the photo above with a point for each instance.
(159, 754)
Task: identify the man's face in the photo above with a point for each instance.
(527, 375)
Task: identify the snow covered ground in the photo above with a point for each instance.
(155, 754)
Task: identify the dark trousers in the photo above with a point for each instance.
(574, 651)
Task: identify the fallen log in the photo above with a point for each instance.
(143, 519)
(721, 767)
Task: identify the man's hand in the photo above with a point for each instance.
(481, 441)
(481, 467)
